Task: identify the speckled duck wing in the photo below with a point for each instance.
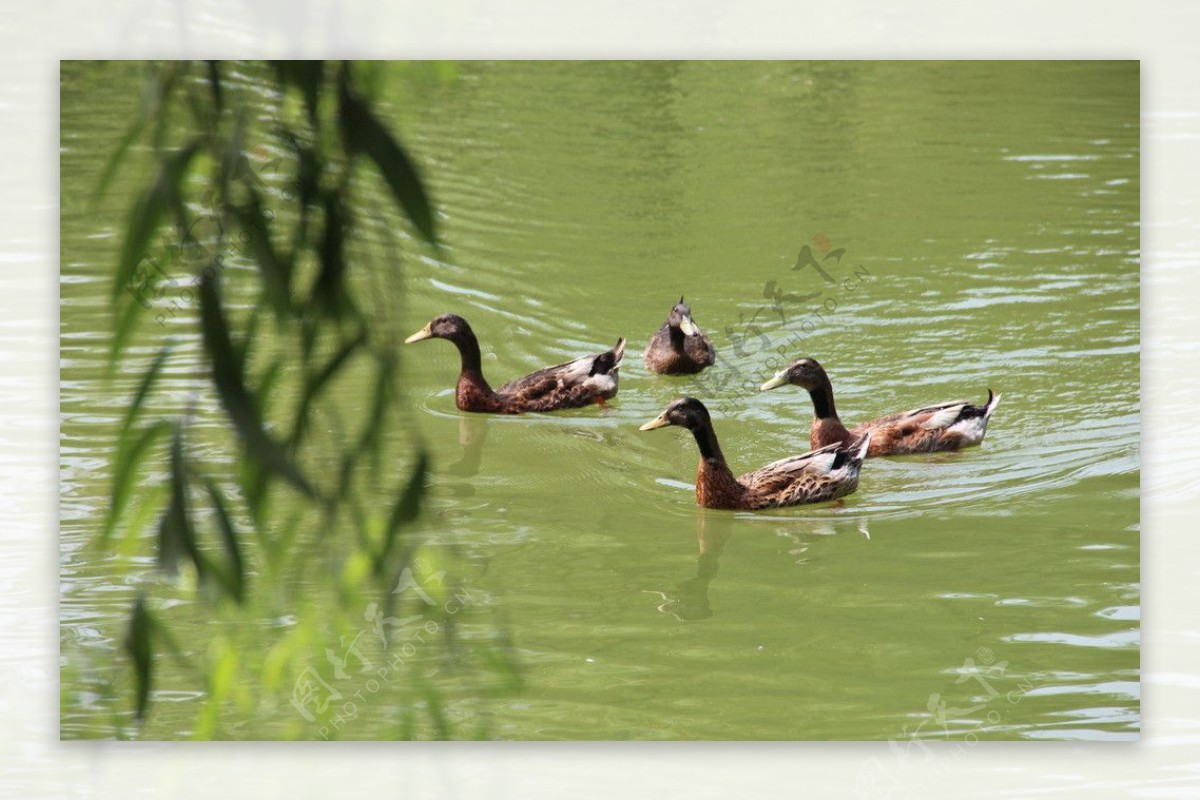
(569, 385)
(820, 475)
(661, 341)
(942, 427)
(659, 356)
(779, 473)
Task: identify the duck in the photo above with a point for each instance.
(824, 474)
(679, 347)
(580, 382)
(941, 427)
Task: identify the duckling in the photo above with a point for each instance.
(821, 475)
(583, 381)
(679, 347)
(941, 427)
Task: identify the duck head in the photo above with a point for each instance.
(681, 318)
(687, 413)
(806, 373)
(444, 326)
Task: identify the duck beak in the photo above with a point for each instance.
(657, 422)
(778, 381)
(424, 333)
(688, 327)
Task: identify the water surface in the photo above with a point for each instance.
(989, 220)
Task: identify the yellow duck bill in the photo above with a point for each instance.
(657, 422)
(424, 333)
(778, 381)
(687, 326)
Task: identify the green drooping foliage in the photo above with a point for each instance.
(247, 241)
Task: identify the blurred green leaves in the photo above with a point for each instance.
(139, 646)
(228, 379)
(364, 133)
(265, 288)
(133, 444)
(163, 195)
(233, 575)
(404, 512)
(176, 537)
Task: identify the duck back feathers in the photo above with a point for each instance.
(946, 426)
(572, 384)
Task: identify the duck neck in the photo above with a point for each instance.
(826, 428)
(716, 486)
(471, 371)
(710, 449)
(677, 337)
(822, 401)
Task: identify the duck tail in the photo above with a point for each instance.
(607, 363)
(618, 351)
(990, 406)
(862, 447)
(851, 453)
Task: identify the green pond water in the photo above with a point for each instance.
(989, 216)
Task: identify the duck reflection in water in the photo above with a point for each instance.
(802, 532)
(689, 601)
(472, 436)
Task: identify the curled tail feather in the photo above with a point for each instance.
(992, 401)
(607, 363)
(619, 350)
(863, 446)
(856, 451)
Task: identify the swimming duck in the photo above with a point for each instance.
(586, 380)
(820, 475)
(680, 346)
(941, 427)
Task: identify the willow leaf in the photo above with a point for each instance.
(118, 157)
(329, 291)
(130, 454)
(365, 133)
(143, 390)
(406, 510)
(139, 646)
(148, 211)
(214, 82)
(307, 77)
(176, 536)
(276, 272)
(235, 577)
(318, 382)
(227, 375)
(157, 92)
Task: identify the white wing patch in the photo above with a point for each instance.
(943, 417)
(602, 383)
(577, 371)
(971, 430)
(818, 461)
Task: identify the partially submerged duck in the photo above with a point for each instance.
(821, 475)
(586, 380)
(941, 427)
(680, 346)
